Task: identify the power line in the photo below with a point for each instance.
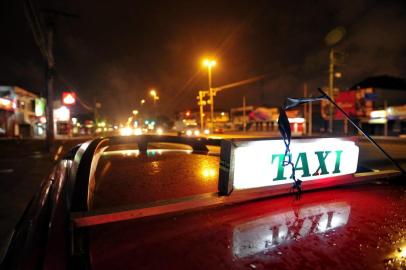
(36, 28)
(84, 104)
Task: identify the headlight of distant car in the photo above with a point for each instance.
(138, 131)
(189, 132)
(126, 131)
(206, 131)
(159, 131)
(196, 133)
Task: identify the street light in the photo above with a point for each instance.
(209, 63)
(154, 95)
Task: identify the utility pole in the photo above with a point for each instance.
(50, 72)
(201, 103)
(209, 63)
(45, 45)
(44, 41)
(51, 25)
(334, 61)
(332, 38)
(97, 106)
(211, 93)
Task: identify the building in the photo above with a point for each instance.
(20, 112)
(265, 119)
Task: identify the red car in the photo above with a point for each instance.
(160, 202)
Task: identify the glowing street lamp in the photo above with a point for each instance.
(154, 95)
(142, 101)
(209, 63)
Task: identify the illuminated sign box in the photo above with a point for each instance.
(247, 164)
(40, 104)
(69, 98)
(6, 104)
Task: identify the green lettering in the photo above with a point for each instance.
(321, 156)
(305, 165)
(281, 168)
(338, 161)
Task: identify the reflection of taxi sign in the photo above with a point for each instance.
(68, 98)
(264, 233)
(260, 163)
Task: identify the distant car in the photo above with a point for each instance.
(159, 130)
(156, 202)
(128, 131)
(188, 129)
(192, 130)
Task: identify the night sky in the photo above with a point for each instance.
(117, 50)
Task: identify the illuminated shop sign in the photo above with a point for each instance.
(260, 163)
(6, 104)
(39, 107)
(62, 114)
(68, 98)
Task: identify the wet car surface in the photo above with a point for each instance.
(126, 177)
(133, 203)
(352, 227)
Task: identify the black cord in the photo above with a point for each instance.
(284, 128)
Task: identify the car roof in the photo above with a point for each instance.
(125, 177)
(353, 226)
(345, 228)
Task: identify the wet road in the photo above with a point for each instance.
(23, 166)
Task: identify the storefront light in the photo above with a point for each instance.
(62, 114)
(297, 120)
(6, 104)
(378, 114)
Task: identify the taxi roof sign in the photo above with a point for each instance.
(246, 164)
(326, 161)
